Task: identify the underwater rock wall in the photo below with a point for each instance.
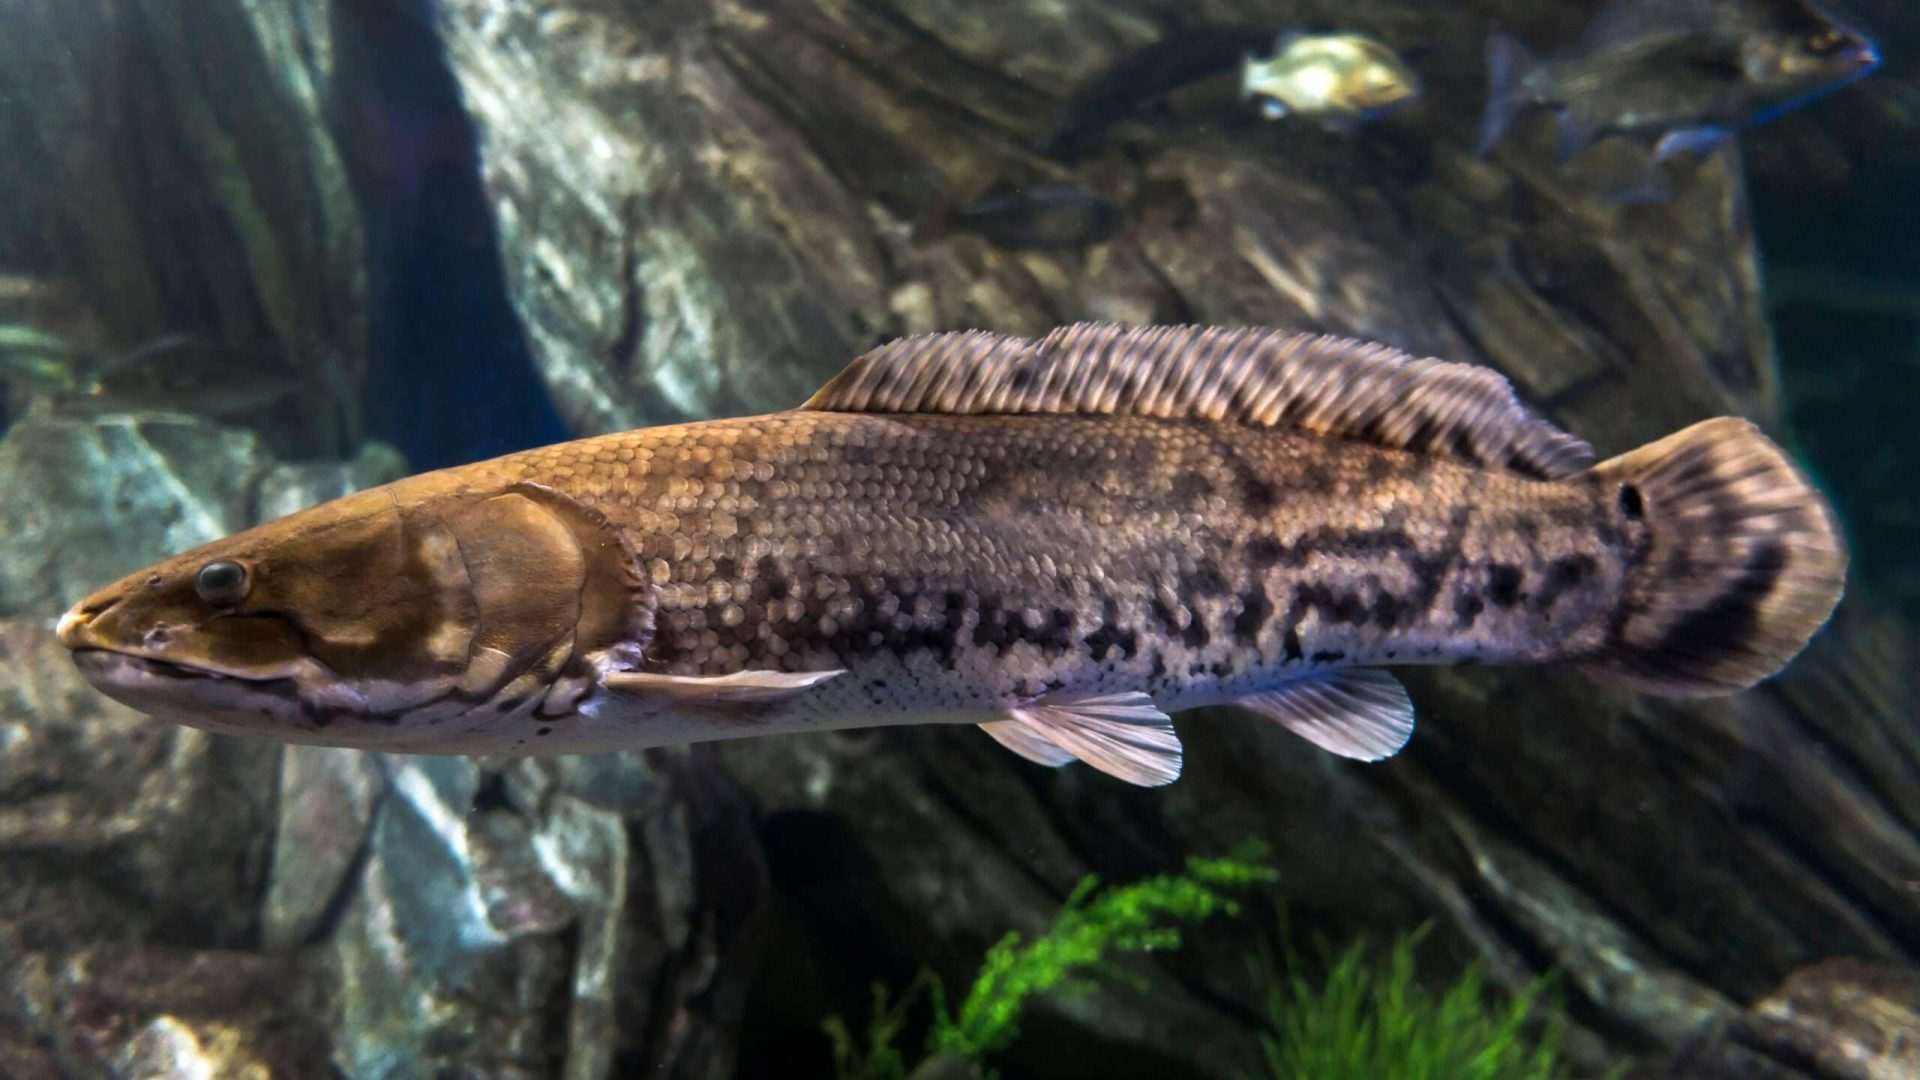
(171, 164)
(706, 209)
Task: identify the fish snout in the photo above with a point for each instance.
(80, 628)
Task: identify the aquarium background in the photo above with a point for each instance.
(350, 239)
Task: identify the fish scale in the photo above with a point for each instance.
(1063, 552)
(1060, 540)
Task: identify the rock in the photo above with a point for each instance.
(1834, 1020)
(531, 935)
(171, 164)
(743, 216)
(291, 486)
(98, 499)
(169, 1014)
(113, 825)
(706, 209)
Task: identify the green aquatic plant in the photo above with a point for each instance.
(1371, 1021)
(1092, 925)
(879, 1058)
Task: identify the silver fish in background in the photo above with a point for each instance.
(1340, 80)
(1061, 541)
(1685, 73)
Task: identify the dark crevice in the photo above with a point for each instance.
(450, 377)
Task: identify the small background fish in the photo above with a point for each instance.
(1683, 73)
(1339, 80)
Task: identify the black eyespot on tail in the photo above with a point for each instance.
(1631, 502)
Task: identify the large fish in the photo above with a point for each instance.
(1061, 541)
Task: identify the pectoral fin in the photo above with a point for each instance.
(1123, 735)
(739, 688)
(1360, 713)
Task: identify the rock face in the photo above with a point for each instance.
(1835, 1020)
(706, 208)
(713, 206)
(170, 164)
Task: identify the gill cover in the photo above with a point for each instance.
(551, 583)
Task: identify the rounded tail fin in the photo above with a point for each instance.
(1743, 561)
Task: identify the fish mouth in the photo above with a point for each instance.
(111, 663)
(195, 696)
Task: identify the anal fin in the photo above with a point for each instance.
(1123, 735)
(1359, 713)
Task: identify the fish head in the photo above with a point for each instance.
(1378, 83)
(371, 621)
(1806, 55)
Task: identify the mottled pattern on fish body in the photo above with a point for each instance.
(993, 558)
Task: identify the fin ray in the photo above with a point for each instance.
(1123, 735)
(1022, 739)
(1250, 375)
(1359, 713)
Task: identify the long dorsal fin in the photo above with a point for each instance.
(1252, 375)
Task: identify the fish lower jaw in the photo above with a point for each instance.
(215, 701)
(114, 663)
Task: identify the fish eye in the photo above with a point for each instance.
(222, 583)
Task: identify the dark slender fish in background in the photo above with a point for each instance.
(1060, 540)
(1039, 217)
(1686, 73)
(1149, 75)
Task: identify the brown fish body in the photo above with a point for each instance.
(1023, 553)
(1061, 541)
